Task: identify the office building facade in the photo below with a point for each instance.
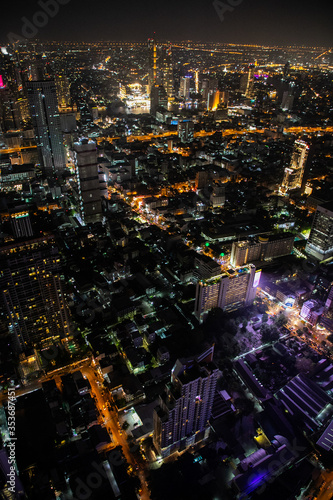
(320, 243)
(88, 181)
(43, 102)
(184, 90)
(32, 296)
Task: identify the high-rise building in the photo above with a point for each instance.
(186, 131)
(243, 252)
(166, 70)
(32, 296)
(205, 88)
(286, 69)
(261, 248)
(10, 116)
(311, 311)
(320, 242)
(37, 69)
(88, 180)
(293, 175)
(182, 417)
(234, 289)
(201, 179)
(63, 91)
(185, 84)
(217, 198)
(23, 106)
(247, 82)
(158, 98)
(197, 81)
(216, 99)
(152, 63)
(160, 69)
(21, 224)
(287, 101)
(44, 110)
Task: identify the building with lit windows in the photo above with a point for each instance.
(88, 180)
(186, 131)
(167, 70)
(182, 417)
(293, 175)
(21, 224)
(311, 311)
(158, 98)
(43, 101)
(261, 248)
(234, 289)
(160, 68)
(184, 90)
(152, 63)
(63, 91)
(320, 242)
(32, 297)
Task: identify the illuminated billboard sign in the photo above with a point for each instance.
(290, 301)
(256, 280)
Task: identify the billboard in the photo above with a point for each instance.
(290, 301)
(256, 280)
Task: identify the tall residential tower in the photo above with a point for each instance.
(320, 243)
(32, 296)
(293, 175)
(88, 180)
(43, 103)
(181, 419)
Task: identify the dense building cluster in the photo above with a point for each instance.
(166, 250)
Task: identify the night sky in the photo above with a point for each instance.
(281, 22)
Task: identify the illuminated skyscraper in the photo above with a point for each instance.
(166, 70)
(184, 90)
(160, 70)
(197, 83)
(181, 419)
(20, 223)
(158, 98)
(43, 103)
(88, 181)
(216, 99)
(234, 289)
(32, 296)
(152, 63)
(63, 91)
(320, 243)
(205, 86)
(293, 175)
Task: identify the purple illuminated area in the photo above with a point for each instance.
(2, 86)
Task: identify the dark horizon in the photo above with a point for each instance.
(251, 22)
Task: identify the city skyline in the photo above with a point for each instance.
(166, 251)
